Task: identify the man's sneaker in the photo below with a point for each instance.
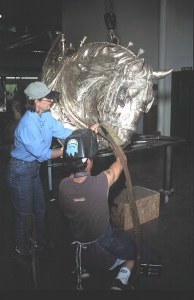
(117, 285)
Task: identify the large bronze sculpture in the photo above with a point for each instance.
(100, 81)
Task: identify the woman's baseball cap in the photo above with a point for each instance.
(38, 90)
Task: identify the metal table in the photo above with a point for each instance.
(141, 143)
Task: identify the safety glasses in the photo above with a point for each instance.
(47, 100)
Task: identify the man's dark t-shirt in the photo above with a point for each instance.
(86, 206)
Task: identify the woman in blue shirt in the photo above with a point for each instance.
(32, 145)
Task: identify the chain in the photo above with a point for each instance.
(108, 6)
(110, 20)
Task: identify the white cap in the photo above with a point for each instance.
(36, 90)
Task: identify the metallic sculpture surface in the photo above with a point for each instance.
(100, 81)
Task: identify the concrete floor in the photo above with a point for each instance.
(168, 240)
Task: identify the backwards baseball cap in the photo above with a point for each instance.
(38, 90)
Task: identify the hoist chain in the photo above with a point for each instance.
(110, 20)
(108, 6)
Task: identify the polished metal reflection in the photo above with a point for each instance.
(100, 81)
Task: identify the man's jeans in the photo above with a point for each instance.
(28, 200)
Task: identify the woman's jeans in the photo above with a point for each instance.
(28, 200)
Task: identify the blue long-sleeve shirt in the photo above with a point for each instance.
(33, 136)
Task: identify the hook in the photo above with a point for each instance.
(113, 38)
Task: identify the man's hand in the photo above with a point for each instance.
(95, 127)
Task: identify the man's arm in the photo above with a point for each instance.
(114, 171)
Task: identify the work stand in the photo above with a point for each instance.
(142, 143)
